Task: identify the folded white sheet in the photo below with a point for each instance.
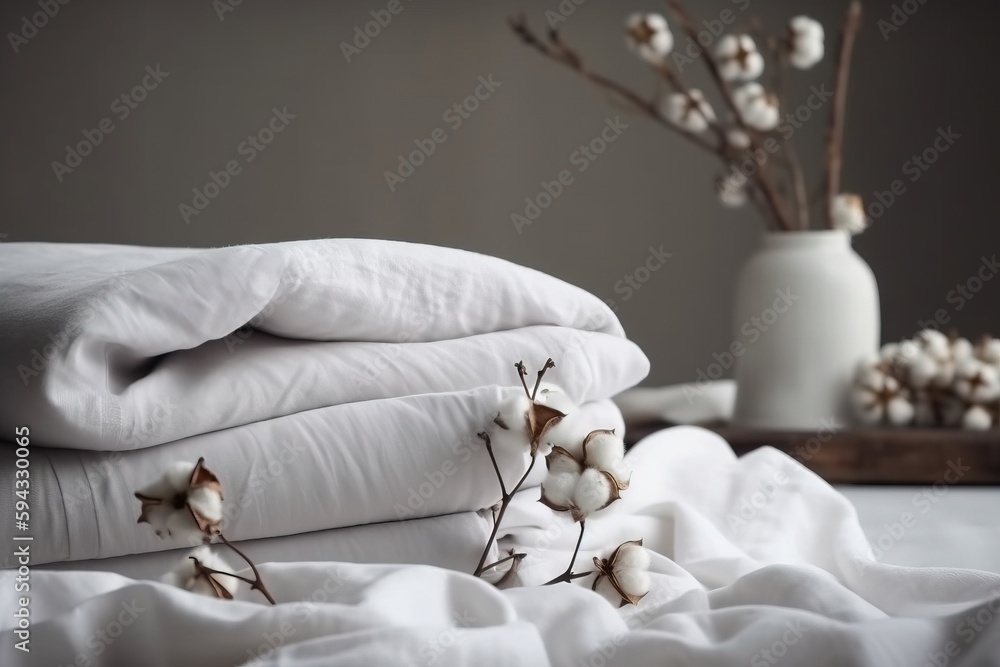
(346, 465)
(453, 541)
(791, 585)
(108, 347)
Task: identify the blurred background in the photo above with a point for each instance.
(342, 108)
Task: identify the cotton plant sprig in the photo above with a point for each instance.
(931, 380)
(586, 471)
(753, 112)
(185, 503)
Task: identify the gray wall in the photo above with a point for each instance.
(324, 174)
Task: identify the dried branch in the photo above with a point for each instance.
(258, 583)
(569, 575)
(835, 138)
(773, 199)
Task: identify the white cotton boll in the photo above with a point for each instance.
(157, 517)
(738, 139)
(977, 381)
(179, 475)
(923, 370)
(649, 36)
(606, 589)
(633, 582)
(558, 462)
(739, 59)
(988, 350)
(185, 574)
(632, 557)
(889, 351)
(603, 450)
(556, 398)
(961, 349)
(691, 112)
(934, 343)
(757, 107)
(182, 526)
(732, 190)
(977, 418)
(513, 411)
(593, 492)
(207, 502)
(848, 212)
(558, 488)
(899, 411)
(908, 349)
(807, 38)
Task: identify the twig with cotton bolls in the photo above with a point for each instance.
(204, 573)
(848, 213)
(186, 503)
(805, 42)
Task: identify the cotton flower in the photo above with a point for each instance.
(757, 107)
(185, 502)
(588, 482)
(649, 36)
(190, 575)
(878, 398)
(977, 418)
(732, 190)
(691, 112)
(623, 578)
(738, 58)
(977, 381)
(805, 42)
(848, 212)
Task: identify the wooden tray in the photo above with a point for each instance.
(873, 456)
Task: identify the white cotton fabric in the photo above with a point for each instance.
(117, 347)
(793, 585)
(345, 465)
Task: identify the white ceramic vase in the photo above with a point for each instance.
(806, 313)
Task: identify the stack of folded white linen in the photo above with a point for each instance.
(335, 387)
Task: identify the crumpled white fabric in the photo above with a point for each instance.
(793, 585)
(118, 347)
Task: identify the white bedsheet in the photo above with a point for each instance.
(118, 347)
(792, 585)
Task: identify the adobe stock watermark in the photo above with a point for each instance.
(898, 17)
(915, 167)
(363, 35)
(562, 12)
(686, 54)
(98, 642)
(963, 292)
(580, 159)
(30, 25)
(770, 655)
(978, 620)
(122, 107)
(751, 330)
(248, 149)
(455, 116)
(921, 503)
(259, 480)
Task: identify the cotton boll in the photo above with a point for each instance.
(186, 575)
(934, 343)
(923, 370)
(738, 139)
(899, 411)
(757, 107)
(558, 489)
(649, 36)
(594, 492)
(182, 526)
(977, 418)
(512, 414)
(632, 556)
(807, 37)
(560, 461)
(988, 350)
(738, 58)
(847, 212)
(691, 112)
(207, 502)
(961, 349)
(603, 449)
(633, 582)
(977, 381)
